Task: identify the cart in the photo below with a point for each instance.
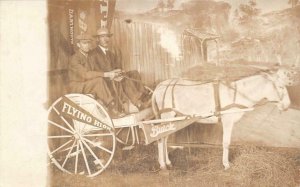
(82, 137)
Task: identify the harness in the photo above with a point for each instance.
(216, 90)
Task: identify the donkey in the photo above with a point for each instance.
(196, 98)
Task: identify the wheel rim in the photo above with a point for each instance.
(74, 145)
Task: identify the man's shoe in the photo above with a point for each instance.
(147, 104)
(143, 105)
(146, 97)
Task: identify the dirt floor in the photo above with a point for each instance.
(250, 166)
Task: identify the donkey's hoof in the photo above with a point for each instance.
(163, 171)
(226, 166)
(169, 166)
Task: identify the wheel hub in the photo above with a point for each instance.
(76, 136)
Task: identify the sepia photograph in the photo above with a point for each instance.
(162, 93)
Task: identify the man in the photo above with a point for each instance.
(123, 85)
(85, 79)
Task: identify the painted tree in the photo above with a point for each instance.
(160, 4)
(248, 12)
(293, 2)
(170, 4)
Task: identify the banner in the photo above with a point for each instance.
(155, 132)
(69, 109)
(88, 16)
(104, 13)
(70, 11)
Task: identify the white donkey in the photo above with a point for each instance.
(196, 98)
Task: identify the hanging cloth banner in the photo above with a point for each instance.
(104, 10)
(88, 16)
(70, 12)
(82, 21)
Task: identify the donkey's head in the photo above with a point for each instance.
(288, 76)
(279, 80)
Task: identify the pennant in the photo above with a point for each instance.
(68, 108)
(154, 132)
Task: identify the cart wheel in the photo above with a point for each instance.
(76, 146)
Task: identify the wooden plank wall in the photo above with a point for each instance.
(141, 50)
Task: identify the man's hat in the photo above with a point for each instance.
(103, 32)
(83, 37)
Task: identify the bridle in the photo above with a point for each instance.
(278, 85)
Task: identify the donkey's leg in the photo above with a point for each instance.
(161, 155)
(227, 129)
(228, 121)
(168, 162)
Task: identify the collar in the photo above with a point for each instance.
(103, 49)
(83, 53)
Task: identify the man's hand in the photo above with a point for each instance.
(119, 75)
(119, 78)
(114, 74)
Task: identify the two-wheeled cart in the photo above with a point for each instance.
(82, 136)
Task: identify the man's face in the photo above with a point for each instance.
(104, 40)
(84, 45)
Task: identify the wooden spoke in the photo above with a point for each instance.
(128, 133)
(121, 141)
(67, 157)
(136, 134)
(104, 134)
(76, 158)
(62, 136)
(99, 146)
(82, 129)
(63, 119)
(78, 126)
(117, 133)
(87, 146)
(61, 147)
(59, 126)
(84, 157)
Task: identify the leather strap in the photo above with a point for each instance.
(216, 86)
